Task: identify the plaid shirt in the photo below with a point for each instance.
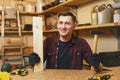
(79, 50)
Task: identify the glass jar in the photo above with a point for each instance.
(94, 15)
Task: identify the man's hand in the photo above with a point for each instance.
(95, 62)
(100, 67)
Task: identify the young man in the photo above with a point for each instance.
(66, 51)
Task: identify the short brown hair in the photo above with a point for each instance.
(67, 13)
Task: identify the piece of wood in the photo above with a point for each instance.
(38, 42)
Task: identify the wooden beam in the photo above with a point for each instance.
(38, 42)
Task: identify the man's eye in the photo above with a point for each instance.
(60, 22)
(67, 23)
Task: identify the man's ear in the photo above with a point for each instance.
(75, 25)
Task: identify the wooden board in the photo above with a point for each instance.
(38, 42)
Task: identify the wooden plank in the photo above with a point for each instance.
(79, 2)
(107, 25)
(38, 42)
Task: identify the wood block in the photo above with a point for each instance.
(38, 42)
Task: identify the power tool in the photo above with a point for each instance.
(100, 77)
(21, 72)
(6, 67)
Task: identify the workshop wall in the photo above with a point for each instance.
(107, 41)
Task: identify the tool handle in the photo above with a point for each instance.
(95, 43)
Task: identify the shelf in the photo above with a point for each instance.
(59, 7)
(107, 25)
(23, 32)
(48, 31)
(12, 46)
(27, 32)
(15, 32)
(30, 13)
(13, 54)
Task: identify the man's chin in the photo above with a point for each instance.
(63, 35)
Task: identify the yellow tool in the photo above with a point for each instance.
(21, 72)
(100, 77)
(4, 76)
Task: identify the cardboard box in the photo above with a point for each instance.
(10, 13)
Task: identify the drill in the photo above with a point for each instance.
(21, 72)
(100, 77)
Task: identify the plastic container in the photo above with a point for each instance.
(104, 14)
(117, 15)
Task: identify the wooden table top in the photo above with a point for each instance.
(55, 74)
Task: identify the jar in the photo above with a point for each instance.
(30, 8)
(39, 5)
(94, 15)
(117, 15)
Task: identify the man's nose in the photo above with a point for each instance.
(63, 25)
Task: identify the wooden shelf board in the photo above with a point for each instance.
(13, 54)
(27, 32)
(59, 7)
(23, 32)
(56, 8)
(78, 2)
(30, 13)
(63, 6)
(107, 25)
(97, 26)
(47, 31)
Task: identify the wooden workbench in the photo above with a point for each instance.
(54, 74)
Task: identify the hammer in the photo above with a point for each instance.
(95, 33)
